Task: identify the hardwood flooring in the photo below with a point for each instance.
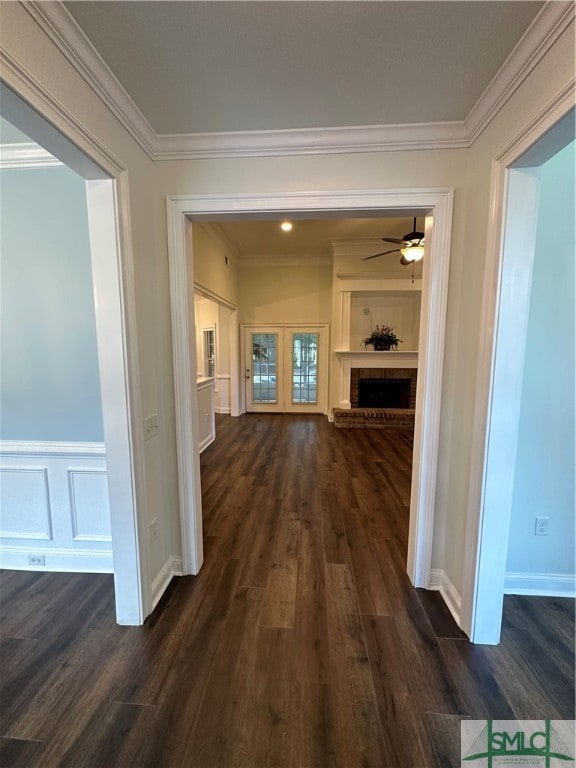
(301, 644)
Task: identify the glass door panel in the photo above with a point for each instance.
(305, 368)
(264, 368)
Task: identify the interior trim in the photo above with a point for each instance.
(439, 202)
(28, 155)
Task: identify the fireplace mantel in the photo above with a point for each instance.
(371, 359)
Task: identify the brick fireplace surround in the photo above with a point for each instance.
(377, 417)
(382, 373)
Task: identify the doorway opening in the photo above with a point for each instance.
(106, 196)
(183, 212)
(517, 192)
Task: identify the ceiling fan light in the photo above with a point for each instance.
(412, 252)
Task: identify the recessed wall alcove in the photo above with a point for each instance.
(365, 300)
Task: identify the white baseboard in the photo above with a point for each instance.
(222, 410)
(56, 559)
(544, 584)
(439, 580)
(160, 583)
(172, 567)
(208, 440)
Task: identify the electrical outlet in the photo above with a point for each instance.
(366, 310)
(151, 426)
(36, 560)
(154, 527)
(541, 527)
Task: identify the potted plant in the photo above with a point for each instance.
(383, 338)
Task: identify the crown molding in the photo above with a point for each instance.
(26, 155)
(311, 141)
(60, 26)
(549, 24)
(66, 34)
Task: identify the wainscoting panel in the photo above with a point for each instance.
(55, 513)
(25, 488)
(222, 393)
(88, 496)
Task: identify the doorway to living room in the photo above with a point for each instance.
(437, 204)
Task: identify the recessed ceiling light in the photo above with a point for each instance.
(286, 226)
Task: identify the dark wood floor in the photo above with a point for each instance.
(301, 644)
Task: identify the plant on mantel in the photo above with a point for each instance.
(382, 338)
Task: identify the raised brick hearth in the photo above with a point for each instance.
(378, 418)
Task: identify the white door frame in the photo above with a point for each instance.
(36, 112)
(500, 366)
(438, 203)
(233, 336)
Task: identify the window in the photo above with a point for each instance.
(209, 345)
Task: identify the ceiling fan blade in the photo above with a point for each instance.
(393, 240)
(380, 254)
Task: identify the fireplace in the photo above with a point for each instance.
(384, 393)
(395, 386)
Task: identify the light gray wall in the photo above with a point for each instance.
(544, 476)
(49, 381)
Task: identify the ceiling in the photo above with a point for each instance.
(194, 67)
(311, 237)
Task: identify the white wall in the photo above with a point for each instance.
(398, 309)
(210, 268)
(285, 294)
(544, 476)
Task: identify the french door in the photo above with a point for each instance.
(285, 368)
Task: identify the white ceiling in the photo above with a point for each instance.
(312, 237)
(195, 67)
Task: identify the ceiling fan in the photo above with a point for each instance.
(411, 246)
